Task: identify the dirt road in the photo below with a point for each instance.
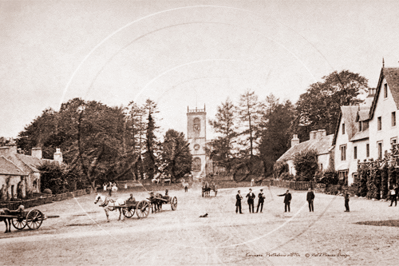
(326, 237)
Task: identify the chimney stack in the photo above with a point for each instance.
(58, 155)
(322, 133)
(294, 140)
(37, 152)
(313, 135)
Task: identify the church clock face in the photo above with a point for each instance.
(196, 147)
(197, 125)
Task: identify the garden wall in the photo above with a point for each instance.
(43, 199)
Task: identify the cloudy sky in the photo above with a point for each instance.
(182, 53)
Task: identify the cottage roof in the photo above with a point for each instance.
(7, 167)
(391, 74)
(321, 145)
(30, 162)
(361, 135)
(349, 115)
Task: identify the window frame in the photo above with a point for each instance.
(379, 149)
(342, 148)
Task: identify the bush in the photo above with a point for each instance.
(279, 169)
(306, 164)
(286, 176)
(330, 177)
(47, 191)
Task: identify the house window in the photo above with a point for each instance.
(365, 125)
(379, 148)
(360, 126)
(379, 123)
(393, 141)
(343, 152)
(343, 128)
(367, 150)
(355, 152)
(393, 119)
(321, 167)
(385, 90)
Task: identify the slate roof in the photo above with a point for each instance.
(349, 115)
(391, 75)
(321, 145)
(9, 168)
(361, 135)
(30, 162)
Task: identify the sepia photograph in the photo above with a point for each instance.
(199, 132)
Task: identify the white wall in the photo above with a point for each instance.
(384, 108)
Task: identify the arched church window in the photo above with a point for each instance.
(196, 167)
(197, 124)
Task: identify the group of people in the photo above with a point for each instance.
(310, 196)
(251, 197)
(110, 187)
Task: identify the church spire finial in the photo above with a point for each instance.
(383, 63)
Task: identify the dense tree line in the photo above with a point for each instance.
(260, 131)
(102, 143)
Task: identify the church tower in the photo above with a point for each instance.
(196, 135)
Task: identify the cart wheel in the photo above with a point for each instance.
(19, 223)
(34, 219)
(143, 209)
(173, 203)
(128, 212)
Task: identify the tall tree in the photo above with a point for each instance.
(150, 159)
(225, 125)
(275, 136)
(176, 156)
(249, 113)
(319, 106)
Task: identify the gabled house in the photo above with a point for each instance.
(346, 129)
(374, 129)
(28, 165)
(12, 180)
(384, 131)
(318, 141)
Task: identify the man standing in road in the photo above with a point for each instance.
(392, 191)
(287, 200)
(238, 202)
(251, 196)
(261, 199)
(346, 196)
(310, 198)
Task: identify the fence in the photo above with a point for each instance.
(43, 199)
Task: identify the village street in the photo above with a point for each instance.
(326, 237)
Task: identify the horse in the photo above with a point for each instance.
(110, 205)
(7, 221)
(156, 204)
(206, 189)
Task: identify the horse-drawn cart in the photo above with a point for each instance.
(141, 208)
(20, 218)
(157, 200)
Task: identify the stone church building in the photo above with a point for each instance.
(196, 136)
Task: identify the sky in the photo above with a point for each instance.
(182, 53)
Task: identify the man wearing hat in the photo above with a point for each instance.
(261, 199)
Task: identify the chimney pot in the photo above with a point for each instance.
(37, 152)
(295, 140)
